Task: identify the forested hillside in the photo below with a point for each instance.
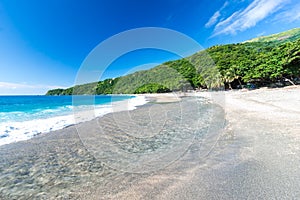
(267, 61)
(287, 36)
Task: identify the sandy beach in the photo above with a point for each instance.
(208, 145)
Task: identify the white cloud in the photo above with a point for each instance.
(214, 19)
(228, 20)
(261, 34)
(7, 88)
(289, 15)
(249, 17)
(8, 85)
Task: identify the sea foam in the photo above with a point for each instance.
(25, 128)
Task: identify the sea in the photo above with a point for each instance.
(23, 117)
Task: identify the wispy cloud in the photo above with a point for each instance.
(214, 19)
(241, 20)
(8, 88)
(261, 34)
(290, 15)
(170, 16)
(8, 85)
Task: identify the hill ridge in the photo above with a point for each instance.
(264, 61)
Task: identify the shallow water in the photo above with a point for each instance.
(23, 117)
(106, 155)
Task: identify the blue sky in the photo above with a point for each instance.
(43, 43)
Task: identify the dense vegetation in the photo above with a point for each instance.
(290, 35)
(265, 61)
(152, 88)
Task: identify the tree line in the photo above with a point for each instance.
(267, 63)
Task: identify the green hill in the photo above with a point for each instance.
(265, 61)
(290, 35)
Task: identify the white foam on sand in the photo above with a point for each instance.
(23, 130)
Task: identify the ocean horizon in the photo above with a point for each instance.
(25, 116)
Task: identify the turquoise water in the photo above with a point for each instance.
(22, 108)
(22, 117)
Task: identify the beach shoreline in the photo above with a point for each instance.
(21, 124)
(254, 155)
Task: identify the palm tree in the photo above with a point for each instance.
(232, 74)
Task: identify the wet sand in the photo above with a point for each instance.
(164, 98)
(256, 155)
(236, 145)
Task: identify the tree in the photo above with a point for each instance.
(152, 88)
